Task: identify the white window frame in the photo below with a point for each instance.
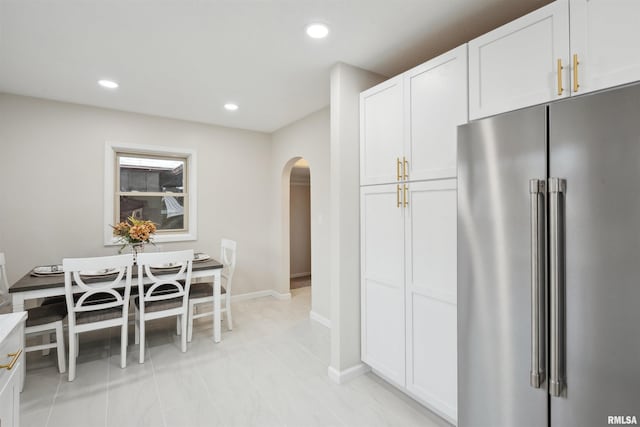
(110, 156)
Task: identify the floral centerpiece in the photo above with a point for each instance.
(134, 233)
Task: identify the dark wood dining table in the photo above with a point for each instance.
(34, 287)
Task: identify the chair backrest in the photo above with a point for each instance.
(228, 259)
(100, 295)
(172, 284)
(4, 282)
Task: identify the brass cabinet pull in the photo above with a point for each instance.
(560, 68)
(398, 195)
(398, 174)
(405, 168)
(575, 72)
(15, 356)
(406, 201)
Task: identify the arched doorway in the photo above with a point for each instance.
(300, 225)
(298, 169)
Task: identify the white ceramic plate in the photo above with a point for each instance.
(168, 265)
(200, 256)
(95, 273)
(45, 270)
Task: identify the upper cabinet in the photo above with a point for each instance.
(540, 57)
(435, 104)
(408, 123)
(521, 63)
(381, 132)
(604, 43)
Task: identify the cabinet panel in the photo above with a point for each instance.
(381, 133)
(382, 276)
(604, 35)
(430, 281)
(436, 103)
(515, 65)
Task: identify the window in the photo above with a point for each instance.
(154, 183)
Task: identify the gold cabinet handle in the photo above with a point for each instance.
(406, 200)
(575, 72)
(405, 168)
(398, 174)
(398, 195)
(15, 356)
(560, 68)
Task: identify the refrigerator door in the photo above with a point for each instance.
(497, 158)
(595, 147)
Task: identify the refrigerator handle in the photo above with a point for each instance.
(557, 191)
(537, 191)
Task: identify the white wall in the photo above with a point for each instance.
(346, 84)
(51, 170)
(300, 229)
(307, 138)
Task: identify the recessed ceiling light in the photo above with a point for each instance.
(317, 31)
(108, 84)
(230, 107)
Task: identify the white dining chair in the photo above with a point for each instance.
(202, 293)
(100, 305)
(167, 295)
(41, 321)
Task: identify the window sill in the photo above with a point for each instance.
(164, 238)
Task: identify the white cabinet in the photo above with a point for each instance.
(604, 40)
(517, 65)
(408, 147)
(408, 274)
(430, 289)
(381, 132)
(435, 104)
(408, 123)
(12, 370)
(563, 49)
(382, 280)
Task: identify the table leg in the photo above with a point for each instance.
(17, 302)
(216, 305)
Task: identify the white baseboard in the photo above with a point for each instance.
(251, 295)
(320, 319)
(278, 295)
(341, 377)
(261, 294)
(296, 275)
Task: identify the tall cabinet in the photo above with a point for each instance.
(408, 228)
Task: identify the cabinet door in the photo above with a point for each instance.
(431, 280)
(516, 65)
(604, 36)
(382, 281)
(435, 104)
(381, 132)
(10, 399)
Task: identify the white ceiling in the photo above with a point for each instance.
(185, 58)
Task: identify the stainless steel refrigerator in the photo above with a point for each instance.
(549, 264)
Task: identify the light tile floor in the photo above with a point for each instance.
(271, 370)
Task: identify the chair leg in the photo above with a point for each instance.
(192, 310)
(228, 310)
(142, 342)
(184, 332)
(62, 363)
(123, 345)
(46, 339)
(72, 355)
(136, 325)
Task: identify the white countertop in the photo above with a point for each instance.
(9, 321)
